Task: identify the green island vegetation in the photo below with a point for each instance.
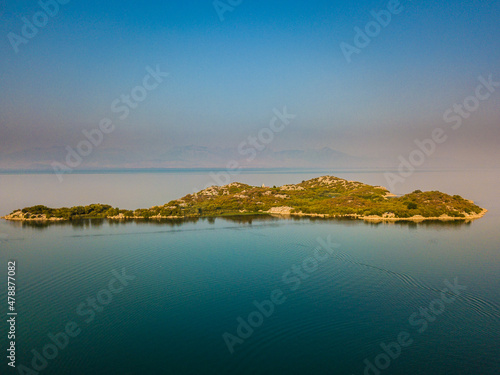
(325, 196)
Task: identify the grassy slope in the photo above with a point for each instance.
(324, 195)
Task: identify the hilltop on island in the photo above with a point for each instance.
(325, 196)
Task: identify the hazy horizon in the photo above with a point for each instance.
(230, 72)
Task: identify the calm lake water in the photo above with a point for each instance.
(170, 297)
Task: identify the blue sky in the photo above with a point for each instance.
(227, 77)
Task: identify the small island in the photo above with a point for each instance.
(327, 196)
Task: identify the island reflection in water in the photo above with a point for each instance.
(242, 220)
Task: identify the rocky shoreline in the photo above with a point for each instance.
(275, 211)
(20, 216)
(374, 218)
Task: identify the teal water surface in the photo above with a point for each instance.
(180, 290)
(192, 281)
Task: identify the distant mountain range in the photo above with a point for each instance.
(191, 156)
